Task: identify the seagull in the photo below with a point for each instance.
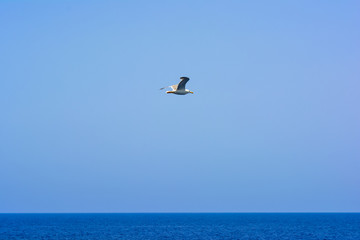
(179, 89)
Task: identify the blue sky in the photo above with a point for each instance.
(273, 125)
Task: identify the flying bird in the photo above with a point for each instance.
(179, 89)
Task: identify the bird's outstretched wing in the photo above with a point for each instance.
(181, 85)
(173, 87)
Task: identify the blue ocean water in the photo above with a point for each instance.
(181, 226)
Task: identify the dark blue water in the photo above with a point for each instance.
(181, 226)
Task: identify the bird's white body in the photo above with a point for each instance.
(180, 92)
(179, 89)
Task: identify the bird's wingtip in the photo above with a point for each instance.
(183, 78)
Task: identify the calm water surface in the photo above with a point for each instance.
(181, 226)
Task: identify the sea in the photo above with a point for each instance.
(181, 226)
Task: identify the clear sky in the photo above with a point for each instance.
(273, 124)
